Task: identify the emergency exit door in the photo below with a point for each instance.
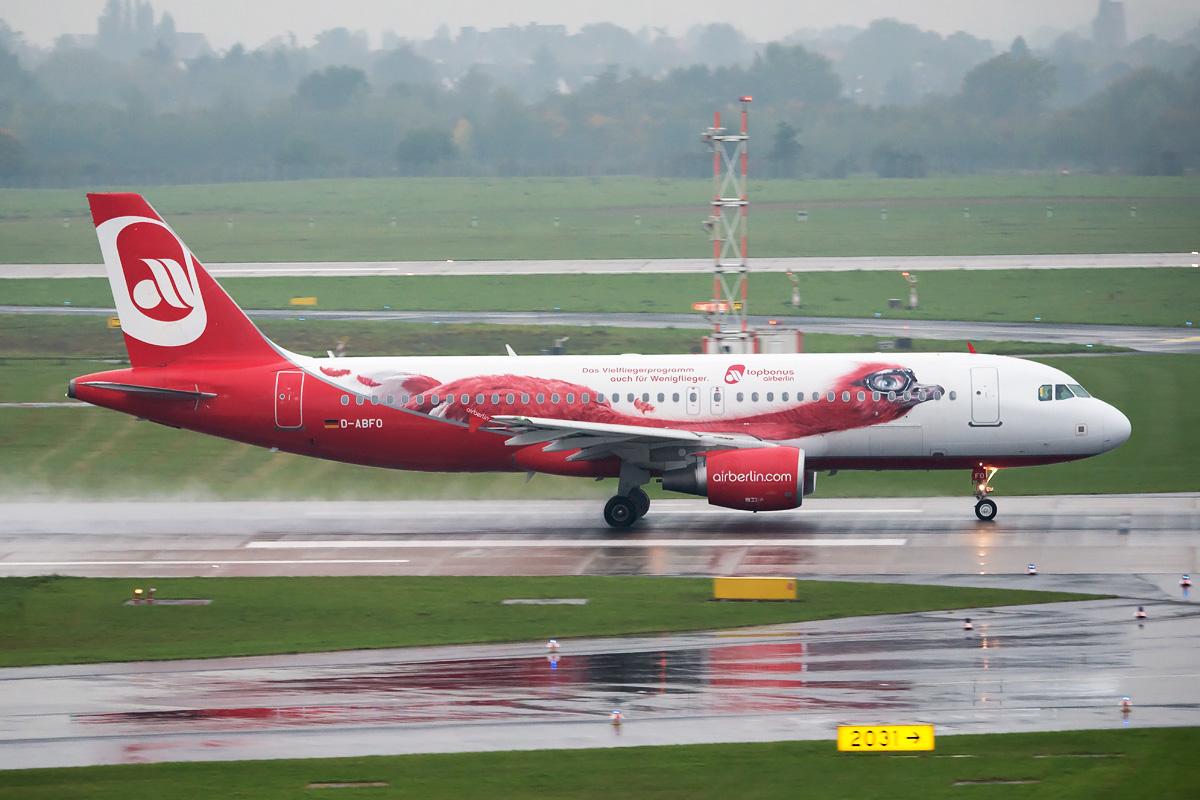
(985, 396)
(289, 399)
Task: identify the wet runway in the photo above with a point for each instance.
(633, 266)
(1058, 667)
(1082, 535)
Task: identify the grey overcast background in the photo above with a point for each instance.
(253, 22)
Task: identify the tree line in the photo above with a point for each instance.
(85, 117)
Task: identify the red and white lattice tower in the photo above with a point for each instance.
(727, 226)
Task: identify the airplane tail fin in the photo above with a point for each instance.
(171, 310)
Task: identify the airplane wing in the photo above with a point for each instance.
(596, 440)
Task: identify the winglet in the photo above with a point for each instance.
(511, 352)
(971, 348)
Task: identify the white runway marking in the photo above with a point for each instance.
(224, 563)
(383, 544)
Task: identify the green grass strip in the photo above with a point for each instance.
(60, 620)
(1088, 765)
(399, 219)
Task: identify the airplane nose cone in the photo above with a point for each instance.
(1116, 428)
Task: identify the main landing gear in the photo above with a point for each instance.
(631, 502)
(985, 509)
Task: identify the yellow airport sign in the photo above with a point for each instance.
(869, 738)
(304, 301)
(754, 588)
(114, 322)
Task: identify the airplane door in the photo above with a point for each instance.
(985, 396)
(289, 394)
(716, 401)
(693, 399)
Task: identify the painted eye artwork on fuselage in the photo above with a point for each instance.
(870, 394)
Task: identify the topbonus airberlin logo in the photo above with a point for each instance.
(153, 278)
(734, 373)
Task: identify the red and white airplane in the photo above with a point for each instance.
(749, 432)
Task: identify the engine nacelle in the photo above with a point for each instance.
(763, 479)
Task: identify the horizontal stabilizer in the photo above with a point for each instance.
(156, 392)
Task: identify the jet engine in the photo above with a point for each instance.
(763, 479)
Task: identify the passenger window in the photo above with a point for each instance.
(435, 399)
(831, 397)
(583, 398)
(1078, 390)
(845, 397)
(875, 396)
(524, 398)
(741, 398)
(420, 399)
(479, 398)
(675, 397)
(629, 397)
(508, 398)
(784, 397)
(770, 396)
(645, 397)
(862, 396)
(1045, 392)
(541, 398)
(359, 400)
(754, 397)
(404, 399)
(661, 397)
(495, 399)
(1061, 392)
(816, 396)
(345, 399)
(892, 396)
(554, 398)
(464, 398)
(600, 397)
(390, 400)
(570, 398)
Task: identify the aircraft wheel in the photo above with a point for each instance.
(985, 510)
(620, 512)
(641, 501)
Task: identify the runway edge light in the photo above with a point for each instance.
(870, 738)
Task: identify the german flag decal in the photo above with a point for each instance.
(332, 423)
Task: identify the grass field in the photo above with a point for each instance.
(351, 220)
(1083, 765)
(90, 452)
(1164, 297)
(57, 620)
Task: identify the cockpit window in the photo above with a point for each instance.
(1061, 392)
(1045, 392)
(1078, 390)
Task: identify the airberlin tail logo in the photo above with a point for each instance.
(153, 278)
(734, 373)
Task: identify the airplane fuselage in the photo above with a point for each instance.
(431, 414)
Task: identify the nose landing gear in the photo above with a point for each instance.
(985, 509)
